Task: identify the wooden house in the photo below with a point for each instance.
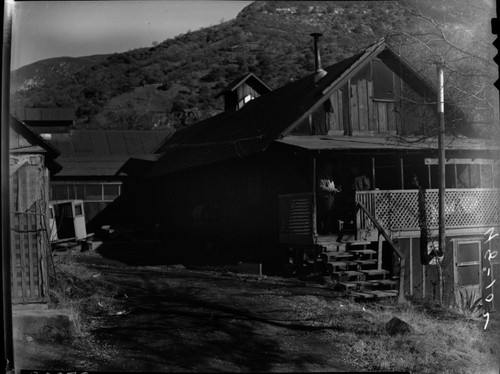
(91, 163)
(246, 180)
(32, 162)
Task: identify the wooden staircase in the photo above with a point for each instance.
(355, 267)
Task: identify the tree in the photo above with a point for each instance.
(464, 46)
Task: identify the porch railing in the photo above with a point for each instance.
(398, 210)
(360, 208)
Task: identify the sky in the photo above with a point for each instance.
(45, 29)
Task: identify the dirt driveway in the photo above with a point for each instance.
(175, 319)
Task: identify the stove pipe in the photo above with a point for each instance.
(320, 73)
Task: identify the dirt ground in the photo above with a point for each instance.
(168, 318)
(175, 319)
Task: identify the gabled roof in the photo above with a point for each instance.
(51, 153)
(253, 128)
(101, 153)
(45, 114)
(374, 144)
(33, 138)
(252, 80)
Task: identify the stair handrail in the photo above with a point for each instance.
(396, 250)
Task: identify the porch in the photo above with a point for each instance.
(381, 217)
(409, 210)
(394, 210)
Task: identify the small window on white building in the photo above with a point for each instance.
(78, 210)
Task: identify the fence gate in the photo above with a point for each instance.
(30, 244)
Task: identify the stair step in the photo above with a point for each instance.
(327, 247)
(385, 282)
(348, 285)
(375, 272)
(358, 242)
(363, 295)
(348, 273)
(363, 251)
(381, 294)
(362, 284)
(365, 262)
(339, 263)
(340, 254)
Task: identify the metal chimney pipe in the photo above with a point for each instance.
(320, 73)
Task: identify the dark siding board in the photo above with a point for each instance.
(346, 111)
(363, 105)
(496, 287)
(371, 119)
(405, 247)
(24, 265)
(418, 286)
(340, 111)
(335, 116)
(354, 108)
(319, 121)
(382, 116)
(391, 116)
(31, 255)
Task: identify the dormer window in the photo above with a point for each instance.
(243, 90)
(245, 100)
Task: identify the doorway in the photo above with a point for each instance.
(467, 254)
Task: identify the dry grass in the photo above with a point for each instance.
(443, 341)
(85, 294)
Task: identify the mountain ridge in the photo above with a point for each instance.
(174, 83)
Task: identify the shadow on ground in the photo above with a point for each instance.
(179, 321)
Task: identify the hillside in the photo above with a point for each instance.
(173, 83)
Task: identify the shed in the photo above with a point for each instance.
(32, 162)
(92, 161)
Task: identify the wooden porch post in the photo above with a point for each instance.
(442, 177)
(401, 169)
(373, 172)
(314, 211)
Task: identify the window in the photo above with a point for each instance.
(383, 81)
(76, 191)
(468, 263)
(78, 210)
(245, 100)
(59, 192)
(111, 191)
(486, 176)
(93, 192)
(463, 176)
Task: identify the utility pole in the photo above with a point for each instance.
(442, 177)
